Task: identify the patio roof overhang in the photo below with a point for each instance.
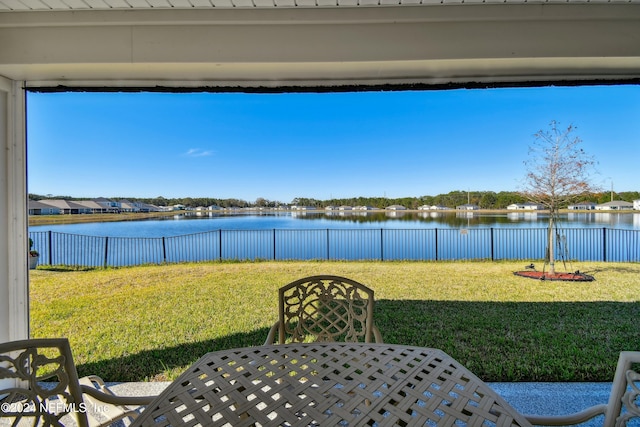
(282, 44)
(270, 46)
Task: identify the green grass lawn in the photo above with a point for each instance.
(149, 323)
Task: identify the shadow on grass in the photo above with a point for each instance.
(67, 268)
(612, 269)
(152, 365)
(514, 341)
(518, 341)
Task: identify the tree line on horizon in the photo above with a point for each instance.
(483, 199)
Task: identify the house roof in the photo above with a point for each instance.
(621, 203)
(91, 204)
(35, 204)
(64, 204)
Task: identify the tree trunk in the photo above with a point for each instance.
(550, 243)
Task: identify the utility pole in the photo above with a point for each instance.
(612, 190)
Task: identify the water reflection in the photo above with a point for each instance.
(427, 215)
(387, 219)
(469, 219)
(465, 215)
(614, 220)
(522, 216)
(439, 219)
(394, 214)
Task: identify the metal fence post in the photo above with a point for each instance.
(274, 244)
(164, 250)
(327, 244)
(50, 245)
(106, 251)
(436, 230)
(492, 258)
(220, 243)
(381, 244)
(604, 244)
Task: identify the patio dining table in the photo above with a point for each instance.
(322, 384)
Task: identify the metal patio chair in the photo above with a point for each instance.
(624, 400)
(325, 308)
(39, 385)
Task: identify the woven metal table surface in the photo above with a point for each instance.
(326, 384)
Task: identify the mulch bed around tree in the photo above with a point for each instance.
(543, 275)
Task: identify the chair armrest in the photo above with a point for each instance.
(377, 336)
(569, 419)
(271, 338)
(116, 400)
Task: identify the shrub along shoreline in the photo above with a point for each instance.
(149, 323)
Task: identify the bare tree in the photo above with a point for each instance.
(558, 172)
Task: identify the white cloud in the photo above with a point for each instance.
(198, 152)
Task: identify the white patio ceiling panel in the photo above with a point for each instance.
(280, 43)
(62, 5)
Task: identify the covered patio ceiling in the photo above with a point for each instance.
(316, 43)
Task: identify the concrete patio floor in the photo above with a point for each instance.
(528, 398)
(555, 398)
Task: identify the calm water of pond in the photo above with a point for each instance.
(187, 223)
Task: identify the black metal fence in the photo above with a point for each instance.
(578, 244)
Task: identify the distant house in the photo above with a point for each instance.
(129, 206)
(396, 208)
(616, 205)
(108, 205)
(467, 207)
(529, 206)
(432, 208)
(636, 204)
(582, 206)
(68, 207)
(525, 207)
(330, 208)
(39, 208)
(364, 208)
(94, 206)
(345, 208)
(145, 207)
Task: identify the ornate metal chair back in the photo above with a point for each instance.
(326, 308)
(39, 384)
(624, 401)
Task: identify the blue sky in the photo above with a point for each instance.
(281, 146)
